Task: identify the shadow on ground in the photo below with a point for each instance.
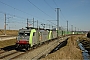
(8, 48)
(86, 44)
(62, 44)
(12, 47)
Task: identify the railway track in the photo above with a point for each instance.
(10, 54)
(47, 51)
(13, 54)
(41, 51)
(34, 53)
(2, 51)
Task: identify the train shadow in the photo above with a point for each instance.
(8, 48)
(12, 47)
(62, 44)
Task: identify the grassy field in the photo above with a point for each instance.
(68, 52)
(7, 43)
(9, 32)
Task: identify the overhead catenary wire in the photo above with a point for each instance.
(17, 22)
(14, 8)
(52, 22)
(55, 3)
(60, 11)
(49, 5)
(24, 11)
(39, 8)
(1, 18)
(19, 10)
(11, 21)
(29, 20)
(12, 15)
(44, 24)
(63, 16)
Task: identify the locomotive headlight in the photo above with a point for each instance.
(17, 41)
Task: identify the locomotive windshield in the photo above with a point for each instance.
(21, 34)
(25, 33)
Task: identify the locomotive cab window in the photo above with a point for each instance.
(21, 34)
(34, 34)
(27, 34)
(24, 33)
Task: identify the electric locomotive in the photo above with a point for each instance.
(30, 37)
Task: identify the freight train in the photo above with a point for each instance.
(30, 37)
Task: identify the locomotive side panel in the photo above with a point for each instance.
(35, 38)
(50, 35)
(44, 36)
(54, 34)
(32, 41)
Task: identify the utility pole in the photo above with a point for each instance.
(38, 32)
(37, 23)
(78, 29)
(52, 27)
(27, 22)
(75, 29)
(57, 20)
(72, 28)
(67, 27)
(49, 26)
(33, 22)
(5, 25)
(9, 27)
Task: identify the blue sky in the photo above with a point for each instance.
(77, 12)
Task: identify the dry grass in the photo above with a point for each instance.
(9, 32)
(7, 43)
(69, 52)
